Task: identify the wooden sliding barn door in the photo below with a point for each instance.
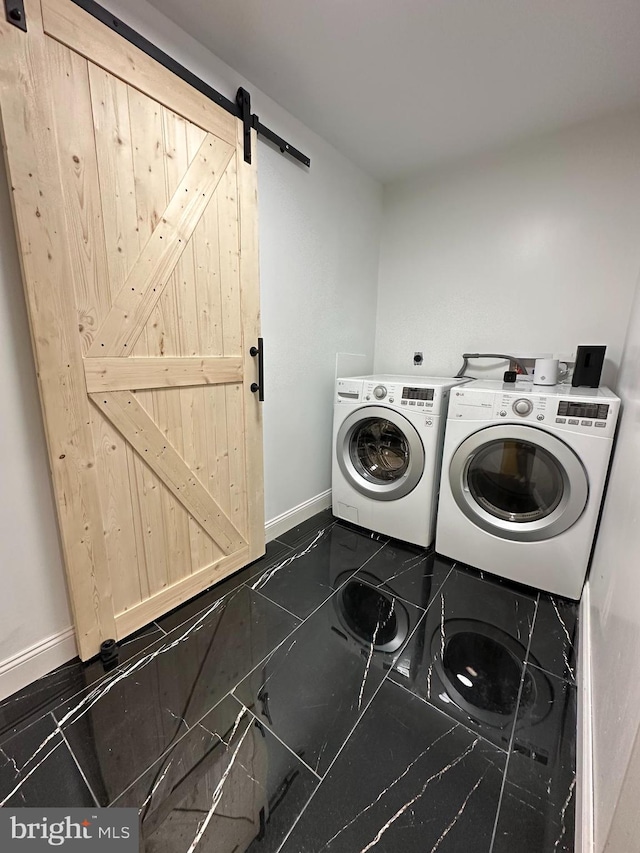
(136, 221)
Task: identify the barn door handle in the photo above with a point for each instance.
(259, 385)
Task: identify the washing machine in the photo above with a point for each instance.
(523, 476)
(387, 444)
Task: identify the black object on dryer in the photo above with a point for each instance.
(588, 367)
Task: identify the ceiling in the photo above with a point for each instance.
(403, 85)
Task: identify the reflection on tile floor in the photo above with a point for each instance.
(345, 693)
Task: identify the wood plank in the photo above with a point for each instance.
(178, 593)
(127, 415)
(230, 296)
(114, 149)
(183, 141)
(112, 134)
(250, 283)
(167, 407)
(29, 142)
(137, 372)
(204, 551)
(69, 84)
(81, 32)
(154, 501)
(151, 273)
(123, 551)
(207, 445)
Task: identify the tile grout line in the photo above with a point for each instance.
(515, 722)
(500, 749)
(276, 604)
(568, 681)
(360, 717)
(75, 760)
(277, 737)
(331, 594)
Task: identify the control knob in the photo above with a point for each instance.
(523, 407)
(379, 392)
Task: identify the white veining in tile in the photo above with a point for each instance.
(34, 768)
(177, 717)
(389, 787)
(266, 576)
(460, 810)
(11, 761)
(411, 563)
(219, 789)
(563, 813)
(429, 674)
(564, 648)
(408, 804)
(155, 787)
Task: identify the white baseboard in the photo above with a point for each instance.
(32, 663)
(43, 657)
(584, 757)
(281, 523)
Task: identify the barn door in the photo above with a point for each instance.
(136, 220)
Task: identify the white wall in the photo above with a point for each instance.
(530, 249)
(319, 233)
(33, 603)
(615, 624)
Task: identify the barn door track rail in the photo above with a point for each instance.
(240, 108)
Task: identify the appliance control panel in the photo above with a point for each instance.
(520, 407)
(401, 396)
(405, 397)
(590, 417)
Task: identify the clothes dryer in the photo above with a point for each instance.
(523, 477)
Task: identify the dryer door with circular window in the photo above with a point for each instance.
(518, 482)
(380, 453)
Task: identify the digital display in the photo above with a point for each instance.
(417, 393)
(583, 410)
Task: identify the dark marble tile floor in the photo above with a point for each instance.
(345, 693)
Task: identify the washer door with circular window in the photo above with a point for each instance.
(518, 482)
(380, 453)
